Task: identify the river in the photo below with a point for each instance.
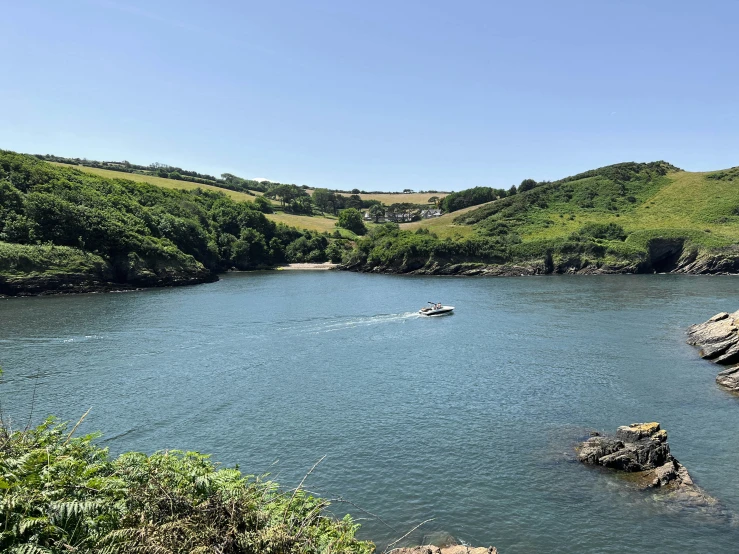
(468, 419)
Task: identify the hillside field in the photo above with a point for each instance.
(159, 181)
(310, 223)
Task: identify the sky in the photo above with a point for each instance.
(380, 95)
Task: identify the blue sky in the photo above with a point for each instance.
(380, 95)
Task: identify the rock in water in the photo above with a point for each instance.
(457, 549)
(642, 448)
(718, 340)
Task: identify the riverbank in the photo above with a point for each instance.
(308, 267)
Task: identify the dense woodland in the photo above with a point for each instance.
(61, 218)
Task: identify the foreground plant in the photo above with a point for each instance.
(60, 494)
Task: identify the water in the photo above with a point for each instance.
(468, 419)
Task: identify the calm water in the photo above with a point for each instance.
(468, 419)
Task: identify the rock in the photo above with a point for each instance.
(664, 474)
(639, 447)
(718, 340)
(720, 328)
(729, 378)
(719, 317)
(636, 431)
(641, 450)
(597, 447)
(456, 549)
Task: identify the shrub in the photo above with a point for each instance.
(63, 494)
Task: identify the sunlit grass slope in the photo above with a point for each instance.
(311, 223)
(705, 204)
(444, 226)
(160, 181)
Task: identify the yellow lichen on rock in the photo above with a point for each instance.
(645, 428)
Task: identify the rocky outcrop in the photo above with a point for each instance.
(718, 340)
(641, 450)
(639, 447)
(129, 274)
(457, 549)
(663, 257)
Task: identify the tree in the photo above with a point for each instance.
(512, 190)
(526, 184)
(434, 200)
(351, 219)
(377, 212)
(354, 201)
(301, 205)
(263, 205)
(334, 252)
(322, 200)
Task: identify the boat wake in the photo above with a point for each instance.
(341, 324)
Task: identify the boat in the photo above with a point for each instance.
(436, 308)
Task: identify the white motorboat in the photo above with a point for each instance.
(436, 308)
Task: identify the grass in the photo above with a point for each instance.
(444, 226)
(311, 223)
(160, 181)
(688, 201)
(389, 198)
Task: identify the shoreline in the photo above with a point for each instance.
(326, 266)
(75, 285)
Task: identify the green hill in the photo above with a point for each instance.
(629, 217)
(66, 230)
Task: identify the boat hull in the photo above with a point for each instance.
(431, 312)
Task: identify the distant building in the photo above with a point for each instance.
(428, 214)
(399, 217)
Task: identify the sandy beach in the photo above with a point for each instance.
(312, 267)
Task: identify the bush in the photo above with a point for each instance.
(605, 231)
(63, 494)
(351, 219)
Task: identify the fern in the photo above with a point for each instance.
(60, 494)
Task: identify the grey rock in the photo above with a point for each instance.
(720, 328)
(718, 340)
(730, 356)
(729, 378)
(637, 448)
(597, 447)
(456, 549)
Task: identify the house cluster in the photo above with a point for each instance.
(404, 216)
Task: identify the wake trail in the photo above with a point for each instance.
(341, 324)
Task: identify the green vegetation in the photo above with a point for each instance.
(61, 494)
(624, 217)
(351, 219)
(470, 197)
(56, 220)
(165, 182)
(292, 205)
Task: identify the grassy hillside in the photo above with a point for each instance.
(390, 198)
(643, 200)
(160, 181)
(65, 229)
(311, 223)
(625, 217)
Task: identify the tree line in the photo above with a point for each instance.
(133, 224)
